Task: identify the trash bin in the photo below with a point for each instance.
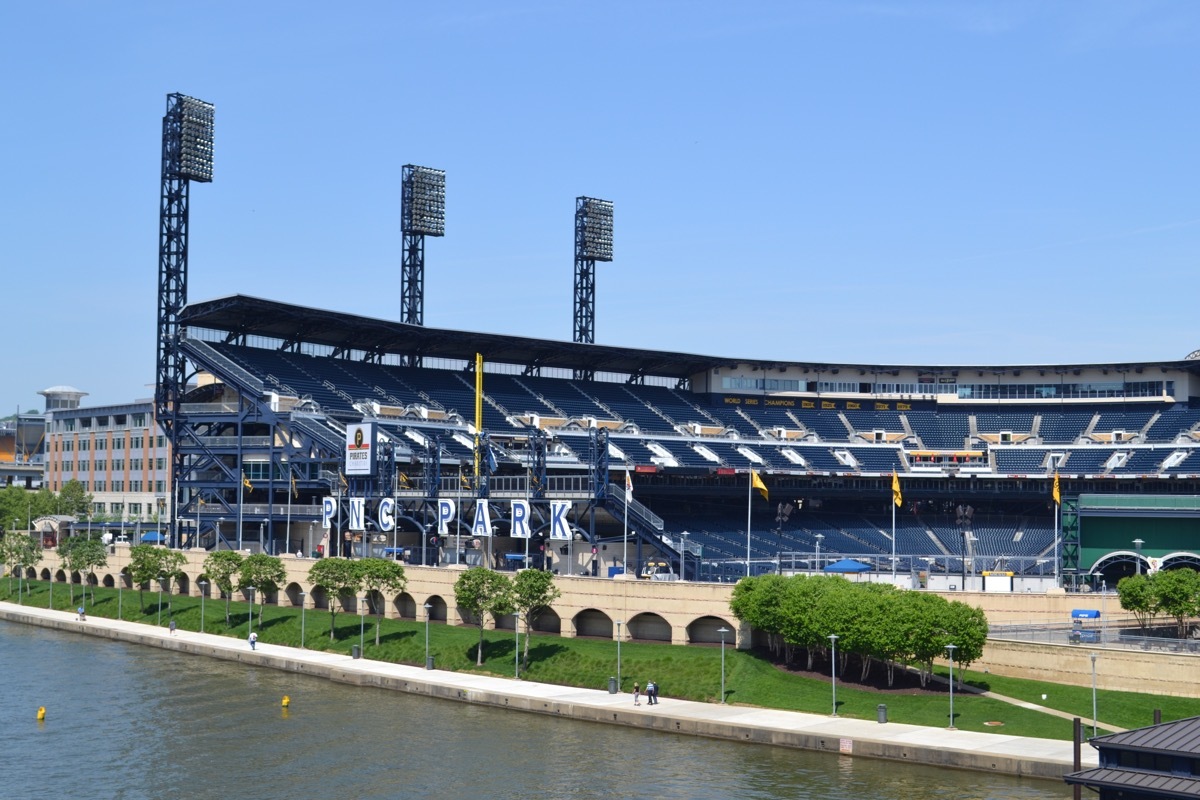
(355, 651)
(881, 713)
(429, 662)
(612, 685)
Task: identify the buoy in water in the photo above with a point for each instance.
(41, 713)
(287, 701)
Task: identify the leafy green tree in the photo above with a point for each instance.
(759, 602)
(220, 566)
(265, 573)
(533, 591)
(73, 499)
(481, 592)
(1176, 593)
(338, 577)
(967, 629)
(1137, 597)
(380, 575)
(20, 553)
(83, 555)
(148, 562)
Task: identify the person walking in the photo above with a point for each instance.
(637, 693)
(253, 639)
(651, 693)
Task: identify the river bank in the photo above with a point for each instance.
(984, 752)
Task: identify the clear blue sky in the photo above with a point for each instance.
(920, 182)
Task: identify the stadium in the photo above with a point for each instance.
(305, 429)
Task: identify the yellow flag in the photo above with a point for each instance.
(342, 478)
(897, 498)
(294, 492)
(757, 483)
(1055, 492)
(246, 482)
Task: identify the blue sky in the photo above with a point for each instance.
(921, 182)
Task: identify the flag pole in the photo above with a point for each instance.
(291, 491)
(894, 542)
(625, 537)
(749, 490)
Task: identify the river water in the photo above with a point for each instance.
(131, 722)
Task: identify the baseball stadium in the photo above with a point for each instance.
(312, 430)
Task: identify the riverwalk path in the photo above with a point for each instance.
(987, 752)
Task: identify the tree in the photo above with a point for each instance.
(148, 562)
(533, 591)
(338, 577)
(265, 573)
(479, 592)
(83, 555)
(378, 575)
(220, 566)
(758, 602)
(73, 499)
(20, 553)
(1176, 592)
(1137, 597)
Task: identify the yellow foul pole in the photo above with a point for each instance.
(478, 409)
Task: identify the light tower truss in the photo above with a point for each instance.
(593, 242)
(422, 213)
(187, 155)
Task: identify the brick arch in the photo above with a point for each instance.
(705, 630)
(593, 622)
(649, 626)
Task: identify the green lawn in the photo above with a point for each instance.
(692, 673)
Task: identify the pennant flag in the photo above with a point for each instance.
(628, 487)
(246, 482)
(404, 481)
(294, 492)
(757, 483)
(1055, 492)
(342, 478)
(897, 498)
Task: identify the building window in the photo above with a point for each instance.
(118, 465)
(101, 443)
(98, 485)
(117, 509)
(139, 420)
(160, 487)
(135, 442)
(84, 445)
(135, 509)
(135, 465)
(135, 486)
(118, 486)
(160, 463)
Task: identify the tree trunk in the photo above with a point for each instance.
(332, 614)
(525, 656)
(479, 649)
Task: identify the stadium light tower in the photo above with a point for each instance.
(593, 242)
(422, 213)
(187, 155)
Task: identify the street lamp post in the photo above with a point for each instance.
(362, 623)
(161, 580)
(302, 620)
(1094, 723)
(516, 645)
(1137, 546)
(951, 648)
(722, 630)
(203, 591)
(428, 609)
(619, 624)
(833, 637)
(818, 539)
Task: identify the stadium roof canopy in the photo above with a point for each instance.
(240, 315)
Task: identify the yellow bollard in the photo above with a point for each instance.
(41, 713)
(287, 701)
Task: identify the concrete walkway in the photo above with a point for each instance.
(988, 752)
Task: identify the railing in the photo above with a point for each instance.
(232, 441)
(1122, 632)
